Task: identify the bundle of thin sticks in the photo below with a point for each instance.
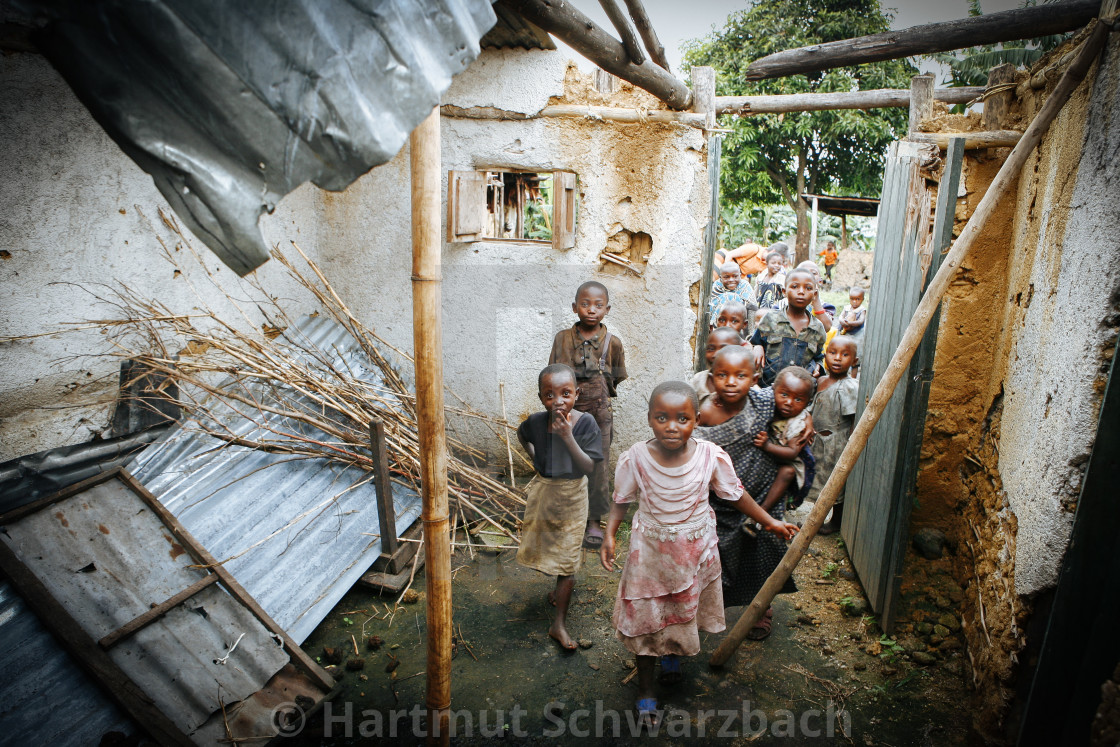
(300, 399)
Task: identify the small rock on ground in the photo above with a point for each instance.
(585, 643)
(930, 543)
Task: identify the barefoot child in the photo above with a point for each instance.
(732, 418)
(565, 445)
(600, 365)
(718, 338)
(791, 336)
(788, 436)
(670, 587)
(834, 415)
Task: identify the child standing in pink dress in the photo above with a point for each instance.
(670, 587)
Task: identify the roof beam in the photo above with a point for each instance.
(811, 102)
(586, 37)
(1009, 25)
(629, 39)
(649, 36)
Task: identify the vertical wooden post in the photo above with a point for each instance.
(703, 98)
(843, 232)
(997, 105)
(813, 234)
(386, 513)
(427, 336)
(921, 100)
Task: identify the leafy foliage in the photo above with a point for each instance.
(773, 158)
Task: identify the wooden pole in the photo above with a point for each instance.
(843, 232)
(386, 511)
(587, 38)
(629, 39)
(427, 336)
(704, 78)
(921, 100)
(813, 233)
(649, 36)
(877, 98)
(900, 361)
(972, 140)
(991, 28)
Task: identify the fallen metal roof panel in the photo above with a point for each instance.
(298, 531)
(45, 698)
(231, 106)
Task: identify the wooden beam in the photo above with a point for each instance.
(908, 345)
(386, 511)
(616, 114)
(810, 102)
(649, 36)
(921, 100)
(704, 94)
(587, 38)
(427, 337)
(629, 39)
(992, 28)
(146, 618)
(972, 140)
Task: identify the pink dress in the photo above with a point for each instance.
(670, 587)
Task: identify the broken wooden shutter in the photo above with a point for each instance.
(564, 210)
(466, 205)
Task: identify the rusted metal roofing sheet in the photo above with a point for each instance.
(106, 556)
(299, 532)
(230, 106)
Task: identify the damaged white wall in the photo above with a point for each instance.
(63, 223)
(1066, 259)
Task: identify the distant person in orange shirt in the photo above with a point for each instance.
(750, 257)
(831, 257)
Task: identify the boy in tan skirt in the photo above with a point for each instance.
(564, 445)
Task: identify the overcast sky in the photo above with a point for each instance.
(678, 20)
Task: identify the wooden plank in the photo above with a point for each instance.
(563, 210)
(70, 635)
(145, 619)
(990, 28)
(203, 556)
(704, 93)
(79, 487)
(466, 203)
(711, 243)
(383, 486)
(973, 140)
(587, 38)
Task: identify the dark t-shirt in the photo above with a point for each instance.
(552, 458)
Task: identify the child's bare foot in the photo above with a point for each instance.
(552, 597)
(560, 634)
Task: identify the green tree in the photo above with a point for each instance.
(771, 158)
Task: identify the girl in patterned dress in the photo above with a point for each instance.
(731, 420)
(670, 587)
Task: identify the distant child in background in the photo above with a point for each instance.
(831, 257)
(731, 288)
(671, 584)
(734, 315)
(792, 336)
(750, 257)
(718, 338)
(565, 445)
(770, 286)
(732, 418)
(788, 437)
(599, 361)
(834, 415)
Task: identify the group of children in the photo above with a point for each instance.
(729, 450)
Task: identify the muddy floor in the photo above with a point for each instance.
(826, 674)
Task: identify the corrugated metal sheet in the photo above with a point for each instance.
(229, 499)
(302, 525)
(230, 106)
(108, 557)
(45, 698)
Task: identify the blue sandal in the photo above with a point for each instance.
(670, 670)
(647, 713)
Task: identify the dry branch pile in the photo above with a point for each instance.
(299, 399)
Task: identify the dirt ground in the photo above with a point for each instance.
(825, 675)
